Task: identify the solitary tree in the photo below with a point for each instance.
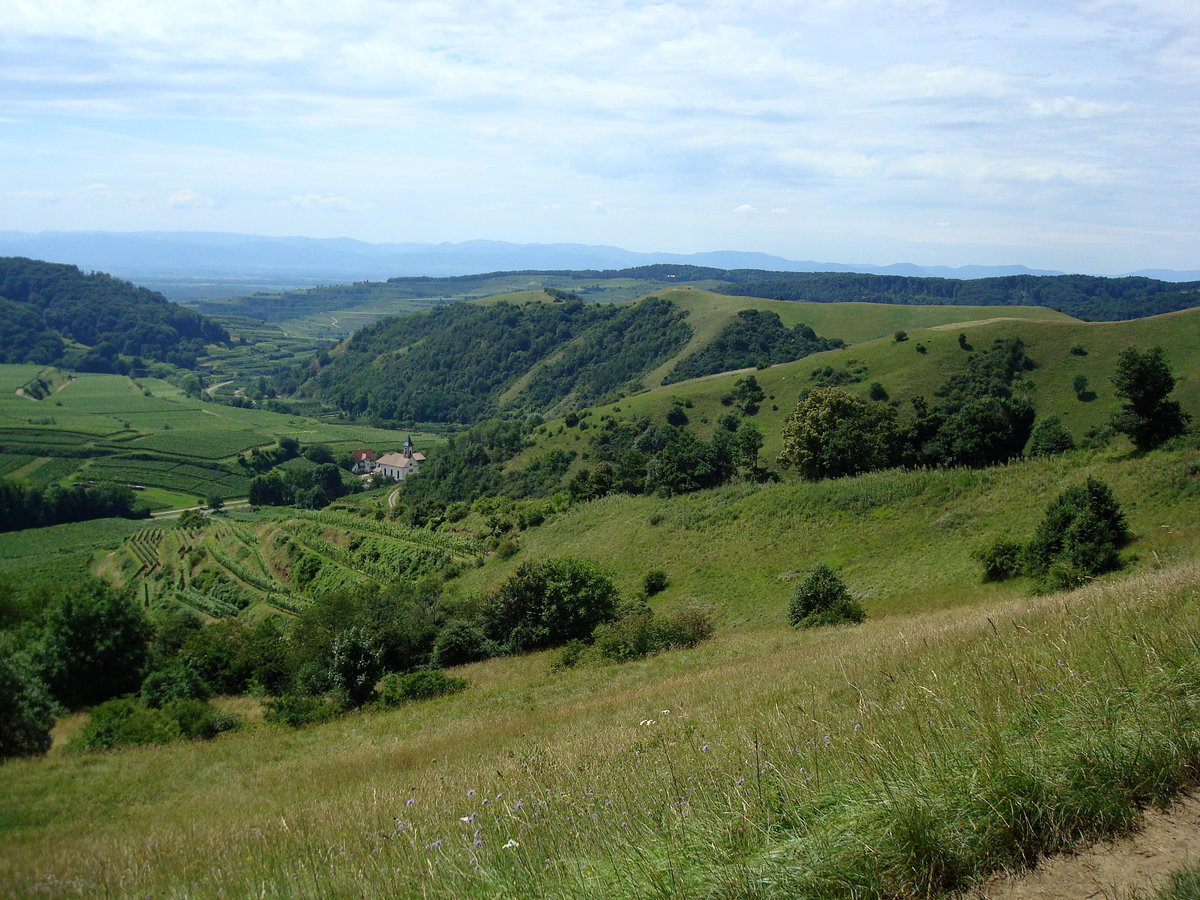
(94, 645)
(1143, 381)
(832, 433)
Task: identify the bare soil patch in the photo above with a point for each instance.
(1142, 862)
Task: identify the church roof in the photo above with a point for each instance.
(399, 460)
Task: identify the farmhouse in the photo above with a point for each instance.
(364, 462)
(399, 466)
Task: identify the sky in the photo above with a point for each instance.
(1051, 134)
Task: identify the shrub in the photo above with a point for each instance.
(26, 708)
(655, 582)
(397, 689)
(174, 682)
(639, 632)
(198, 720)
(295, 710)
(461, 642)
(823, 599)
(1079, 537)
(1050, 438)
(126, 722)
(1001, 560)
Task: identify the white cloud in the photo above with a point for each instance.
(186, 198)
(330, 200)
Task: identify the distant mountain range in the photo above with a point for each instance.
(231, 264)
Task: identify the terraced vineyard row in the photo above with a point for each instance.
(455, 545)
(376, 559)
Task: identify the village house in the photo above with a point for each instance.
(398, 466)
(364, 462)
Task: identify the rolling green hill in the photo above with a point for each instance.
(467, 361)
(905, 373)
(337, 311)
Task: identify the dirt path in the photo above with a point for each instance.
(394, 498)
(1167, 842)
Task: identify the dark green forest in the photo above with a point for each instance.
(754, 339)
(453, 363)
(47, 310)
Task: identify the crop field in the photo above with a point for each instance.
(180, 477)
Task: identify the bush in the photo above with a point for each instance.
(1001, 560)
(198, 720)
(26, 708)
(1050, 438)
(823, 599)
(1080, 537)
(655, 582)
(639, 632)
(126, 722)
(295, 710)
(174, 682)
(461, 642)
(397, 689)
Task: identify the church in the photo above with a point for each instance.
(398, 466)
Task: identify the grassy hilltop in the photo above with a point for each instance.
(967, 727)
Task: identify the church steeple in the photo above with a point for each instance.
(408, 450)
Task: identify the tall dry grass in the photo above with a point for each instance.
(905, 758)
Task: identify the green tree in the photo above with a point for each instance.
(26, 708)
(1143, 381)
(747, 442)
(547, 603)
(1079, 384)
(822, 598)
(832, 433)
(1050, 437)
(94, 645)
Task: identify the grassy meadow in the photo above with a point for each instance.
(965, 728)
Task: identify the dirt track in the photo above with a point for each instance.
(1167, 842)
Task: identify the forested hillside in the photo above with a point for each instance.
(53, 314)
(455, 363)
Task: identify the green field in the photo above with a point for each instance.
(146, 431)
(966, 728)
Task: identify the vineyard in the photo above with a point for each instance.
(146, 431)
(278, 560)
